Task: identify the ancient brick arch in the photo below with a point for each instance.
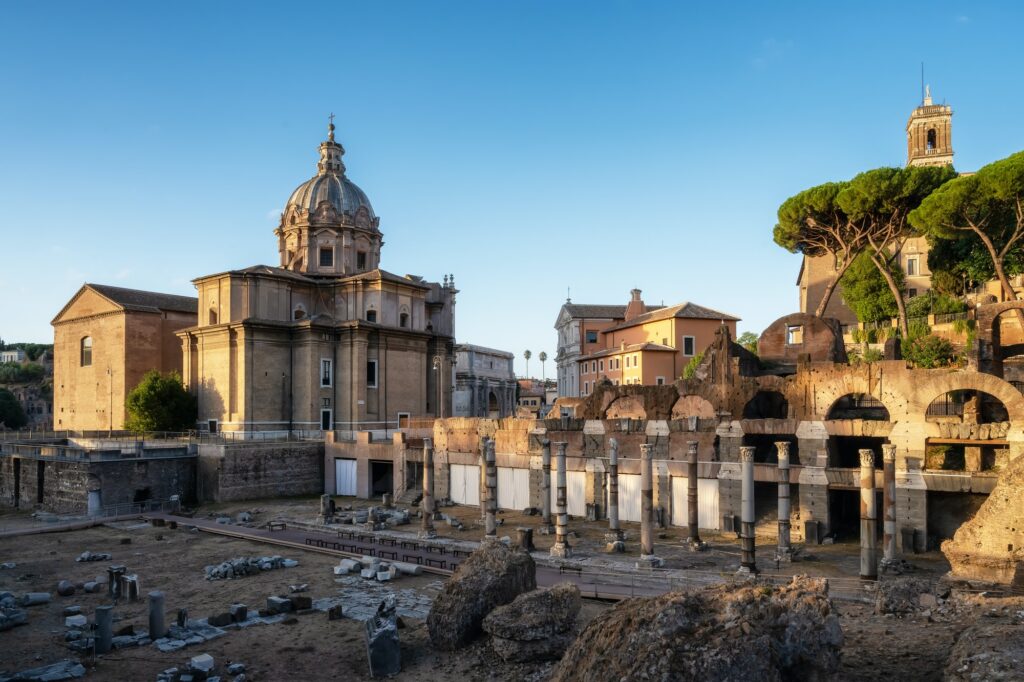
(938, 383)
(693, 406)
(626, 407)
(988, 314)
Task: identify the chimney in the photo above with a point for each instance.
(636, 305)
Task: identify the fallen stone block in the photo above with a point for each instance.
(301, 602)
(382, 645)
(298, 588)
(335, 612)
(236, 668)
(35, 598)
(239, 612)
(94, 556)
(79, 621)
(279, 605)
(202, 662)
(65, 588)
(55, 672)
(92, 587)
(219, 620)
(407, 569)
(71, 611)
(12, 617)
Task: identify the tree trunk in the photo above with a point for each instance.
(1004, 281)
(901, 308)
(831, 287)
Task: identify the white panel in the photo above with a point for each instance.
(707, 502)
(679, 501)
(506, 488)
(472, 485)
(457, 483)
(345, 476)
(522, 487)
(575, 492)
(629, 497)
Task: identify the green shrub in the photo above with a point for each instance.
(691, 367)
(160, 403)
(928, 351)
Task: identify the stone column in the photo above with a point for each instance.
(561, 547)
(647, 556)
(491, 504)
(748, 560)
(614, 538)
(326, 508)
(784, 552)
(692, 506)
(868, 517)
(483, 478)
(427, 531)
(545, 488)
(889, 504)
(156, 615)
(104, 628)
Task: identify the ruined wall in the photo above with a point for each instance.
(251, 470)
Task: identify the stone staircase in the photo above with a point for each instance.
(410, 497)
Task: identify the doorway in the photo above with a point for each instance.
(381, 478)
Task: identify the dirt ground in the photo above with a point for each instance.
(310, 647)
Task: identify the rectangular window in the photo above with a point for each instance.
(325, 373)
(326, 257)
(371, 315)
(635, 362)
(911, 293)
(664, 341)
(591, 336)
(660, 381)
(360, 260)
(689, 345)
(371, 374)
(325, 420)
(601, 366)
(912, 266)
(586, 387)
(794, 335)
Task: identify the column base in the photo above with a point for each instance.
(427, 534)
(784, 555)
(545, 529)
(696, 545)
(747, 571)
(561, 551)
(649, 561)
(489, 539)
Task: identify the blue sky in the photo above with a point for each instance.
(525, 147)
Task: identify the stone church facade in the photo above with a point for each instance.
(326, 340)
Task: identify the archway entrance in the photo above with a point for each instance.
(493, 410)
(972, 429)
(766, 405)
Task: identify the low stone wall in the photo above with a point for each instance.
(250, 470)
(63, 487)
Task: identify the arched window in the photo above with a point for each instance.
(213, 316)
(86, 351)
(931, 139)
(299, 313)
(403, 320)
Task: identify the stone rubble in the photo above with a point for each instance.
(245, 566)
(535, 626)
(991, 649)
(903, 596)
(361, 599)
(54, 672)
(94, 556)
(382, 647)
(723, 632)
(10, 614)
(491, 576)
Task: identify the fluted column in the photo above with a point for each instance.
(561, 547)
(868, 517)
(427, 504)
(614, 538)
(748, 560)
(784, 552)
(889, 504)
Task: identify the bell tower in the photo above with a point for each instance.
(930, 134)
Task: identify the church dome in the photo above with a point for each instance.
(330, 184)
(342, 193)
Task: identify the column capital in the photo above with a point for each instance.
(561, 445)
(691, 447)
(613, 451)
(867, 458)
(747, 453)
(646, 450)
(889, 453)
(783, 447)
